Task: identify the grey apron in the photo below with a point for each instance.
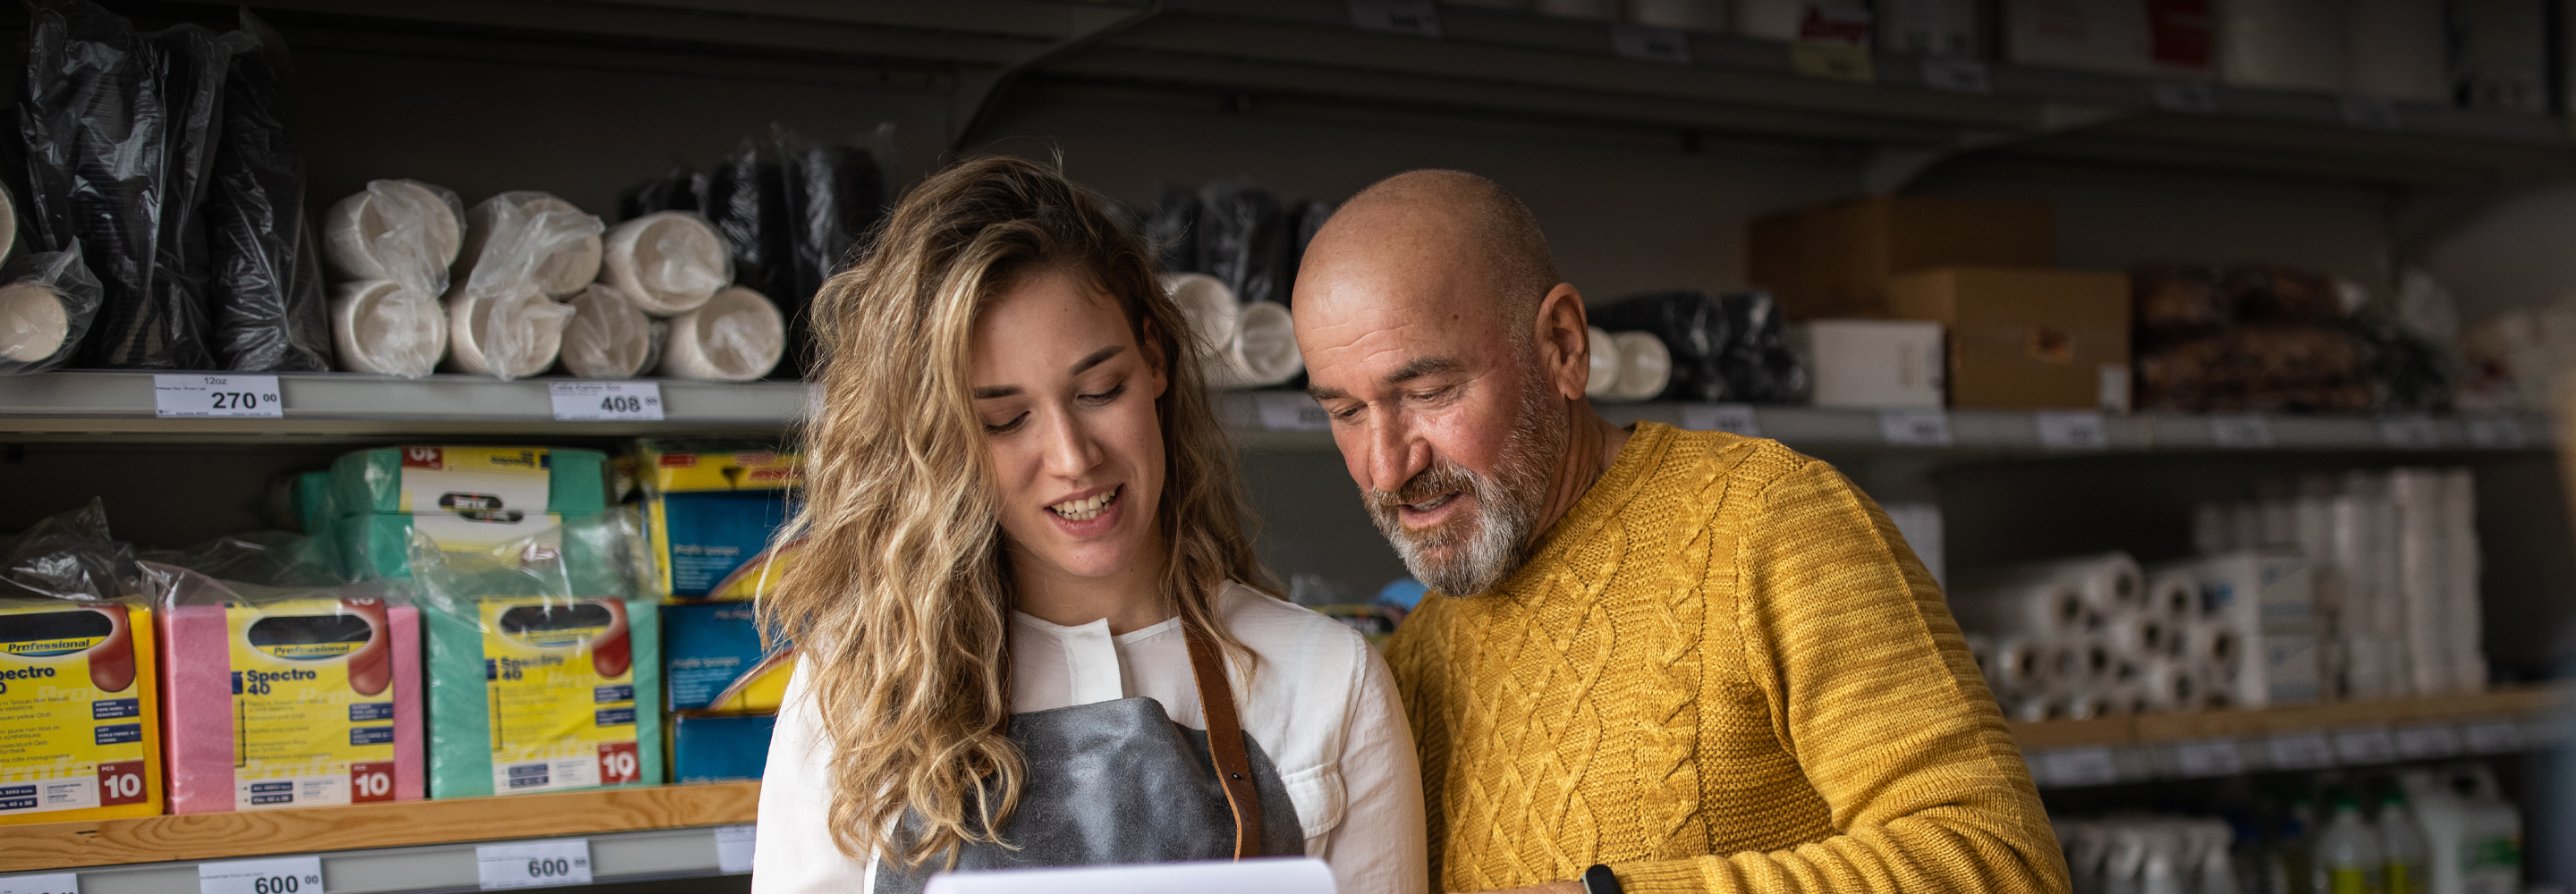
(1119, 782)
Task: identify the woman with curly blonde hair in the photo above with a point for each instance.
(1023, 601)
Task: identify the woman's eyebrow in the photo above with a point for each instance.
(1096, 358)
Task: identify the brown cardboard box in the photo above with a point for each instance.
(1834, 260)
(2023, 337)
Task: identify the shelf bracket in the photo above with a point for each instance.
(980, 90)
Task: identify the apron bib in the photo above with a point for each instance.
(1118, 782)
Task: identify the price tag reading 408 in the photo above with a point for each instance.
(606, 401)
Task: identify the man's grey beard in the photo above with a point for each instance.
(1471, 555)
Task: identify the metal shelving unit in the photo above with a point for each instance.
(2150, 747)
(118, 406)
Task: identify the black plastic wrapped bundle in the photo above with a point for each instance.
(675, 190)
(1244, 240)
(835, 193)
(118, 130)
(746, 198)
(1171, 229)
(1725, 349)
(266, 292)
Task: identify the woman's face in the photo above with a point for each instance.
(1066, 396)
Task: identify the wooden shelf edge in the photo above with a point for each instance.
(210, 836)
(2146, 728)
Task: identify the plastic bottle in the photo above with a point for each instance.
(2347, 852)
(2474, 835)
(2293, 850)
(2402, 846)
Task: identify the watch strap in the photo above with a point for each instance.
(1600, 880)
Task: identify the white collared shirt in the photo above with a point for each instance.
(1319, 701)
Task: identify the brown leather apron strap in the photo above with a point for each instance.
(1225, 739)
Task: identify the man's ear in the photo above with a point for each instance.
(1564, 339)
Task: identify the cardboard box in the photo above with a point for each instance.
(79, 683)
(2025, 338)
(709, 649)
(1834, 260)
(1871, 363)
(720, 749)
(711, 506)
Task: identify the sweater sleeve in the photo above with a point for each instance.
(1870, 688)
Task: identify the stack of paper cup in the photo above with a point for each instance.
(736, 336)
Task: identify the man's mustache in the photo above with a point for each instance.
(1441, 479)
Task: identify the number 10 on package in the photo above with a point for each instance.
(531, 864)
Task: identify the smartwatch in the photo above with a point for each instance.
(1600, 880)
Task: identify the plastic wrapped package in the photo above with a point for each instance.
(265, 295)
(1728, 348)
(429, 478)
(674, 190)
(666, 263)
(86, 744)
(510, 332)
(383, 326)
(2246, 339)
(261, 558)
(1171, 230)
(834, 194)
(531, 237)
(738, 336)
(542, 676)
(400, 230)
(119, 133)
(47, 301)
(287, 696)
(713, 507)
(608, 337)
(1244, 240)
(746, 198)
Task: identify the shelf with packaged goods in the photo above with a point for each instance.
(1517, 66)
(118, 406)
(1288, 420)
(647, 832)
(2183, 745)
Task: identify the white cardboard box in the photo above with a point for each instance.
(1872, 363)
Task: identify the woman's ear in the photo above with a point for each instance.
(1149, 345)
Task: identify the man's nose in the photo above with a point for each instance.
(1395, 455)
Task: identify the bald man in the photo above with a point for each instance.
(1654, 660)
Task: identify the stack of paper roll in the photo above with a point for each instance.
(1240, 344)
(608, 338)
(391, 245)
(1628, 366)
(2095, 635)
(664, 303)
(736, 336)
(523, 251)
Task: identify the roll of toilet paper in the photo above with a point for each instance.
(1645, 366)
(1605, 365)
(35, 322)
(506, 336)
(736, 336)
(380, 326)
(2084, 706)
(2138, 636)
(2109, 582)
(532, 237)
(608, 337)
(2216, 647)
(402, 230)
(2034, 708)
(2019, 664)
(1264, 352)
(2167, 684)
(1210, 308)
(2042, 609)
(667, 262)
(2174, 597)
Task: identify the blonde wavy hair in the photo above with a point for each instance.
(900, 598)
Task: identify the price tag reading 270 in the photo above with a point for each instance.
(606, 401)
(199, 396)
(532, 864)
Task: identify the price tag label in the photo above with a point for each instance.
(2209, 757)
(280, 875)
(1730, 418)
(199, 396)
(587, 401)
(533, 864)
(2496, 432)
(2492, 736)
(2070, 767)
(2409, 431)
(2368, 111)
(1915, 428)
(2420, 743)
(2300, 751)
(1956, 75)
(1650, 44)
(2368, 745)
(1291, 411)
(2194, 97)
(733, 848)
(2073, 431)
(2247, 431)
(52, 883)
(1414, 17)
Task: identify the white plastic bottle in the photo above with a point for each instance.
(2348, 859)
(2402, 845)
(2475, 836)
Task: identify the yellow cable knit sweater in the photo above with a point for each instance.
(1722, 670)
